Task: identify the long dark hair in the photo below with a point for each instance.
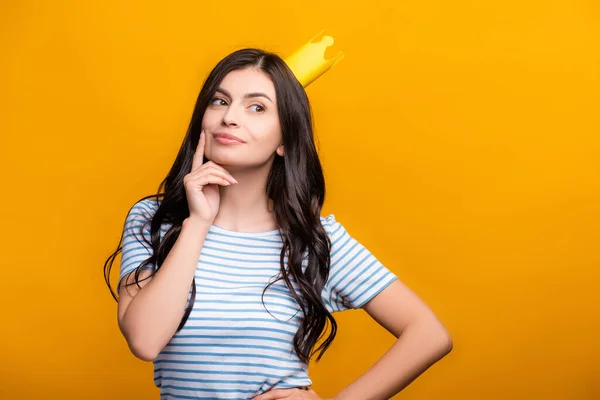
(295, 184)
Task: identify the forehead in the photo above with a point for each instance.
(248, 80)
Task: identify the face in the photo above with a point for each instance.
(243, 106)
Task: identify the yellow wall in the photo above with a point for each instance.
(459, 139)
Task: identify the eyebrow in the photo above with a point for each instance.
(247, 95)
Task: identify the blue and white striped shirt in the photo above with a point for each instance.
(232, 346)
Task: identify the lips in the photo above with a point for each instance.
(227, 136)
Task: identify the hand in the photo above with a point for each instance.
(201, 185)
(289, 394)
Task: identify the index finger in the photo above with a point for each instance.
(198, 159)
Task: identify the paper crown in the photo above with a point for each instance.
(308, 62)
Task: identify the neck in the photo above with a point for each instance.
(244, 206)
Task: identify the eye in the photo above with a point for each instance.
(215, 101)
(259, 109)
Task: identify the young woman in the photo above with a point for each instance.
(230, 276)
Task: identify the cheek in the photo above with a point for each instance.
(269, 131)
(210, 118)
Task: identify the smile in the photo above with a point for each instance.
(226, 138)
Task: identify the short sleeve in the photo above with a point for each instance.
(136, 238)
(356, 275)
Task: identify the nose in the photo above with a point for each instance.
(229, 117)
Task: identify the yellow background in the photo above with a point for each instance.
(459, 140)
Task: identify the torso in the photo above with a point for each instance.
(231, 346)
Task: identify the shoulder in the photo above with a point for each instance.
(143, 210)
(334, 229)
(146, 206)
(329, 223)
(140, 213)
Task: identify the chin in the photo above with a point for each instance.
(234, 160)
(224, 159)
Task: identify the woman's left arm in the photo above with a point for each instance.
(421, 341)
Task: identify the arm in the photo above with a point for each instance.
(355, 277)
(149, 316)
(422, 341)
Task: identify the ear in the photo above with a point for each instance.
(280, 150)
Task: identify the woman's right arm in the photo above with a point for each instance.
(149, 316)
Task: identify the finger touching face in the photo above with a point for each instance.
(198, 159)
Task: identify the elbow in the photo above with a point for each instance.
(442, 340)
(143, 352)
(139, 340)
(142, 346)
(435, 336)
(446, 343)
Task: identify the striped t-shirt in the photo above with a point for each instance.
(232, 346)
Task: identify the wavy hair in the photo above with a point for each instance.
(295, 184)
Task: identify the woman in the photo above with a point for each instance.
(230, 276)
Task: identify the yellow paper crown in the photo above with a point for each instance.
(308, 62)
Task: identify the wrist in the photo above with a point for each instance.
(195, 224)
